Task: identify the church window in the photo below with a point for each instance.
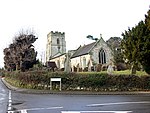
(58, 42)
(102, 56)
(84, 62)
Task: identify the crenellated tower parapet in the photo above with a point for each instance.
(56, 44)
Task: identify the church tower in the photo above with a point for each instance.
(56, 44)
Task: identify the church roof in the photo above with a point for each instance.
(83, 50)
(57, 55)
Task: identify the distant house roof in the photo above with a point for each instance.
(83, 50)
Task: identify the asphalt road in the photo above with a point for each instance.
(53, 103)
(48, 103)
(3, 98)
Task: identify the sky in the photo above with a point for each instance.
(77, 18)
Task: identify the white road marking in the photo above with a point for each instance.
(23, 111)
(2, 99)
(10, 101)
(33, 109)
(9, 94)
(20, 111)
(118, 103)
(96, 111)
(10, 111)
(9, 108)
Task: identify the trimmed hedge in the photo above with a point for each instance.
(79, 81)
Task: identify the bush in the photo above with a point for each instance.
(147, 69)
(121, 66)
(88, 81)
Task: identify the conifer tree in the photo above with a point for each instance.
(144, 29)
(136, 45)
(129, 47)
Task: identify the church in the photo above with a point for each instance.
(85, 58)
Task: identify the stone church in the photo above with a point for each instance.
(85, 58)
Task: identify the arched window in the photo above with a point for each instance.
(58, 42)
(84, 62)
(102, 56)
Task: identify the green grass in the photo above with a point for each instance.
(139, 73)
(125, 72)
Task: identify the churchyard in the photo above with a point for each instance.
(98, 66)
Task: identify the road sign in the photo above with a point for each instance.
(55, 80)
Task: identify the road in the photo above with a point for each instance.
(3, 98)
(49, 103)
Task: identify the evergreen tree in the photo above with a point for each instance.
(147, 19)
(136, 45)
(144, 29)
(129, 47)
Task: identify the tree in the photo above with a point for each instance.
(147, 20)
(91, 37)
(130, 47)
(145, 43)
(115, 44)
(136, 45)
(20, 55)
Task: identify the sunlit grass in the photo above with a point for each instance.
(139, 73)
(125, 72)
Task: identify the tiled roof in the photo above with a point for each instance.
(83, 50)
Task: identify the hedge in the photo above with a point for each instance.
(79, 81)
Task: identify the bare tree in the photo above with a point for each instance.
(20, 55)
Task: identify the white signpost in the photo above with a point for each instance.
(55, 80)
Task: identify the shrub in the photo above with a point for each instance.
(90, 81)
(121, 66)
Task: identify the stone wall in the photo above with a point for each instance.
(95, 52)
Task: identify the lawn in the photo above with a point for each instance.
(140, 73)
(125, 72)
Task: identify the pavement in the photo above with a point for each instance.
(34, 91)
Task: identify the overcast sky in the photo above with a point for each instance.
(77, 18)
